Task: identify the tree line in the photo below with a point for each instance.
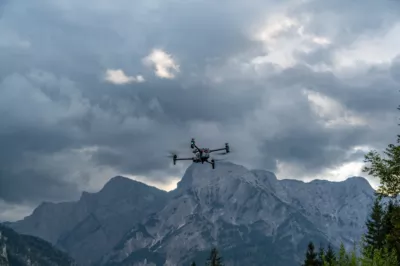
(380, 246)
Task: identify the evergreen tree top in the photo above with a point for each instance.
(311, 256)
(214, 259)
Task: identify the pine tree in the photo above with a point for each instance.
(388, 218)
(321, 255)
(387, 169)
(393, 229)
(214, 259)
(375, 236)
(380, 257)
(353, 259)
(388, 225)
(343, 259)
(193, 264)
(330, 256)
(311, 256)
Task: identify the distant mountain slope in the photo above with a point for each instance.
(91, 227)
(22, 250)
(250, 215)
(338, 208)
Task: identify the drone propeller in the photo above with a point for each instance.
(172, 154)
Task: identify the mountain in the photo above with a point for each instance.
(22, 250)
(338, 208)
(91, 227)
(250, 215)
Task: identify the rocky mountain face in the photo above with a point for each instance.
(91, 227)
(253, 218)
(22, 250)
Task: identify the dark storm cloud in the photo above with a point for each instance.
(66, 48)
(46, 186)
(366, 94)
(313, 148)
(304, 141)
(63, 126)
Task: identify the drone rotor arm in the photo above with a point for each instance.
(193, 145)
(222, 149)
(184, 159)
(197, 148)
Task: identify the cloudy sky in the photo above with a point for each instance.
(92, 89)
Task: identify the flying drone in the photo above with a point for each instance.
(201, 155)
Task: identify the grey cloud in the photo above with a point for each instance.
(368, 93)
(13, 212)
(313, 148)
(18, 187)
(300, 138)
(346, 21)
(395, 69)
(320, 55)
(63, 127)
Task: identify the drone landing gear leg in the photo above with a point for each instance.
(212, 163)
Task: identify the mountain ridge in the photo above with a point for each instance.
(229, 204)
(101, 218)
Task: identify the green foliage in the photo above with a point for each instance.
(343, 258)
(376, 257)
(370, 257)
(388, 218)
(393, 233)
(311, 256)
(193, 264)
(321, 255)
(353, 256)
(387, 169)
(330, 256)
(375, 236)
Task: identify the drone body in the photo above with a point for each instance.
(201, 155)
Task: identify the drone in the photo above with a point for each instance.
(201, 155)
